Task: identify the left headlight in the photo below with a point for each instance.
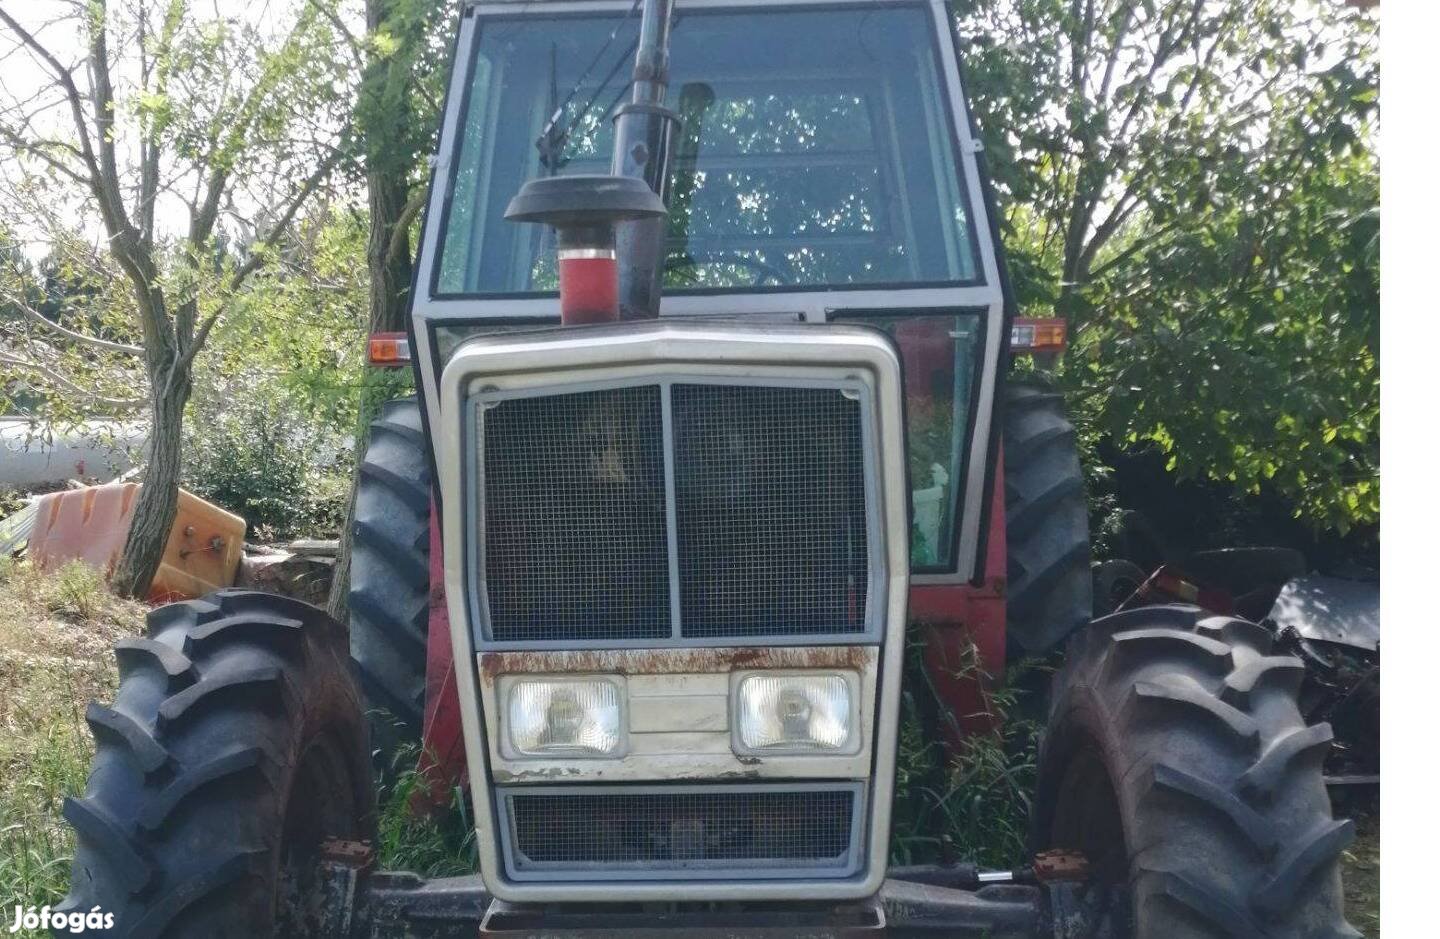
(801, 712)
(565, 717)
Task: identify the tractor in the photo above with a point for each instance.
(714, 429)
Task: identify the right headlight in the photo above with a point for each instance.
(797, 712)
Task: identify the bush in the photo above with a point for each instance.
(258, 453)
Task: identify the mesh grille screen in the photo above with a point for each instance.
(575, 535)
(658, 831)
(770, 489)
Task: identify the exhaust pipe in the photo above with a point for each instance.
(610, 230)
(644, 138)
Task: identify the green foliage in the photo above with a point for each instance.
(300, 327)
(973, 805)
(1248, 349)
(397, 111)
(441, 844)
(1193, 186)
(76, 591)
(260, 454)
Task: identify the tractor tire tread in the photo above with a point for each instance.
(158, 810)
(269, 674)
(1217, 779)
(1049, 593)
(124, 731)
(390, 578)
(133, 654)
(1258, 783)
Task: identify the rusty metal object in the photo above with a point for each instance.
(673, 661)
(1059, 865)
(90, 524)
(357, 854)
(342, 866)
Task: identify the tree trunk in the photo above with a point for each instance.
(160, 494)
(389, 270)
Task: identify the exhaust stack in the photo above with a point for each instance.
(644, 137)
(610, 230)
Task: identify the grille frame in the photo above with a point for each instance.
(852, 860)
(666, 379)
(693, 346)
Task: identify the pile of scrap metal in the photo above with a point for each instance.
(1332, 624)
(90, 524)
(206, 549)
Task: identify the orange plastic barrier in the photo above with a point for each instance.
(90, 524)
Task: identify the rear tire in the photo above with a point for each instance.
(390, 579)
(1047, 526)
(235, 747)
(1177, 760)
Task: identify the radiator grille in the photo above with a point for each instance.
(575, 531)
(770, 486)
(770, 519)
(788, 830)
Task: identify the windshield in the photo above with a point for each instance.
(815, 150)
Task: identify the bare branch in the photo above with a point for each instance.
(111, 208)
(160, 68)
(9, 358)
(357, 49)
(257, 257)
(398, 233)
(94, 341)
(40, 150)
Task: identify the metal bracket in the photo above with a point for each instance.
(360, 904)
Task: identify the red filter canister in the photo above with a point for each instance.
(589, 286)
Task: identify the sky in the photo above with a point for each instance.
(28, 92)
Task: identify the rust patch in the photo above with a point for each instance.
(673, 661)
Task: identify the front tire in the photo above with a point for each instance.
(1177, 760)
(235, 747)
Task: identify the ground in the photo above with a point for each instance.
(55, 641)
(1362, 875)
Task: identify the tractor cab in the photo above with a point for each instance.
(823, 169)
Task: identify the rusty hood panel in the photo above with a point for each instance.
(674, 661)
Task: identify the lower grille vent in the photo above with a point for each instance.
(585, 833)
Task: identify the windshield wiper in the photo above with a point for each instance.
(553, 138)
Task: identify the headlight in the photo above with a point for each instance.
(800, 712)
(565, 716)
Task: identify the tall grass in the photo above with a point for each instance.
(438, 843)
(973, 804)
(56, 631)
